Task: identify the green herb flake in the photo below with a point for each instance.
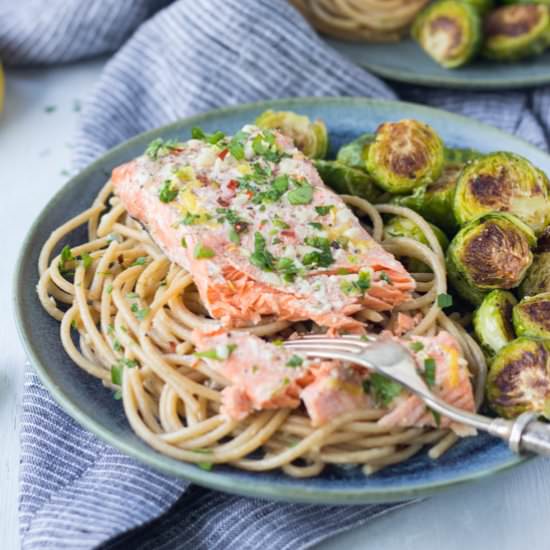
(198, 133)
(384, 389)
(280, 224)
(140, 313)
(183, 242)
(437, 417)
(202, 252)
(160, 148)
(142, 260)
(205, 466)
(385, 277)
(233, 236)
(416, 346)
(301, 194)
(287, 268)
(294, 361)
(316, 225)
(86, 260)
(168, 191)
(261, 257)
(117, 346)
(324, 210)
(236, 145)
(109, 289)
(117, 395)
(444, 300)
(132, 295)
(65, 257)
(116, 374)
(429, 371)
(278, 342)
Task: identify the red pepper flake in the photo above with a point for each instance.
(172, 346)
(288, 233)
(249, 194)
(222, 202)
(223, 153)
(233, 184)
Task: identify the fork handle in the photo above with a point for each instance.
(535, 438)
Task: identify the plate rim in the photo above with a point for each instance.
(452, 81)
(190, 472)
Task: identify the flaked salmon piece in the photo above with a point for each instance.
(451, 382)
(264, 375)
(251, 220)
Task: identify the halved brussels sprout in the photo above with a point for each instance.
(310, 137)
(346, 180)
(519, 378)
(515, 32)
(355, 153)
(399, 226)
(503, 182)
(435, 201)
(493, 320)
(405, 155)
(490, 252)
(449, 31)
(537, 279)
(532, 316)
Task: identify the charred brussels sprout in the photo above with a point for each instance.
(449, 31)
(310, 137)
(405, 155)
(399, 226)
(346, 180)
(519, 378)
(515, 32)
(490, 252)
(435, 201)
(503, 182)
(493, 320)
(532, 316)
(355, 153)
(537, 279)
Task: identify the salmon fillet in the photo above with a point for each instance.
(265, 375)
(249, 217)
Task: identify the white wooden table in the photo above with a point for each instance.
(508, 512)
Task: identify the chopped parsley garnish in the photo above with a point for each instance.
(324, 210)
(117, 346)
(109, 288)
(160, 148)
(294, 361)
(261, 257)
(236, 145)
(360, 286)
(191, 219)
(287, 268)
(168, 191)
(86, 260)
(429, 371)
(117, 395)
(316, 225)
(139, 261)
(236, 224)
(140, 313)
(318, 258)
(416, 346)
(202, 252)
(205, 466)
(385, 277)
(437, 417)
(132, 295)
(278, 342)
(384, 389)
(198, 133)
(183, 242)
(444, 300)
(264, 146)
(234, 236)
(66, 256)
(276, 190)
(118, 368)
(218, 354)
(280, 224)
(301, 194)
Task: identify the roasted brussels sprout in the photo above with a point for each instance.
(347, 180)
(310, 137)
(405, 155)
(532, 316)
(459, 155)
(355, 153)
(519, 378)
(449, 31)
(482, 6)
(503, 182)
(515, 32)
(537, 279)
(490, 252)
(435, 201)
(493, 320)
(399, 226)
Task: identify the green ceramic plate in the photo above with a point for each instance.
(406, 62)
(85, 399)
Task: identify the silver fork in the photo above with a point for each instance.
(524, 434)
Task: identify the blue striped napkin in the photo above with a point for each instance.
(184, 58)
